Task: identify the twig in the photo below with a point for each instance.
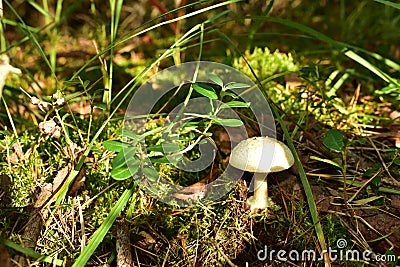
(123, 244)
(230, 263)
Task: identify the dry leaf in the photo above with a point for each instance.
(61, 176)
(148, 239)
(72, 150)
(292, 81)
(16, 155)
(395, 201)
(47, 127)
(78, 182)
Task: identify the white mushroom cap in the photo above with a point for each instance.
(262, 155)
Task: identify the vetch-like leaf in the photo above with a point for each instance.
(334, 140)
(163, 160)
(235, 104)
(102, 106)
(121, 173)
(115, 145)
(120, 159)
(228, 122)
(234, 85)
(205, 90)
(216, 79)
(225, 93)
(127, 169)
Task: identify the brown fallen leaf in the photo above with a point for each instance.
(78, 182)
(395, 201)
(17, 154)
(72, 150)
(197, 190)
(61, 176)
(148, 239)
(292, 81)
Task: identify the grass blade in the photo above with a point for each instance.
(30, 253)
(101, 232)
(388, 3)
(33, 39)
(369, 66)
(322, 37)
(41, 9)
(307, 188)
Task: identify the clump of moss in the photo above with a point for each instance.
(265, 64)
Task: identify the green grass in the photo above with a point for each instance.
(344, 82)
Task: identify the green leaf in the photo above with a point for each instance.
(376, 182)
(341, 108)
(370, 172)
(391, 258)
(31, 253)
(121, 173)
(118, 161)
(388, 3)
(151, 174)
(133, 164)
(326, 161)
(126, 169)
(41, 10)
(115, 145)
(228, 122)
(102, 106)
(130, 134)
(224, 93)
(234, 85)
(122, 157)
(235, 104)
(216, 79)
(334, 140)
(156, 148)
(205, 90)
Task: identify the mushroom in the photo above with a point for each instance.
(261, 155)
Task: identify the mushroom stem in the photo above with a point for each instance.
(260, 199)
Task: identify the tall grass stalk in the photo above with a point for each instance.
(2, 38)
(116, 7)
(31, 32)
(55, 35)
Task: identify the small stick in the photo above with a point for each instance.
(123, 244)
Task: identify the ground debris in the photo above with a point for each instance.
(5, 260)
(123, 245)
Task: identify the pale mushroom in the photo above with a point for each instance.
(261, 155)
